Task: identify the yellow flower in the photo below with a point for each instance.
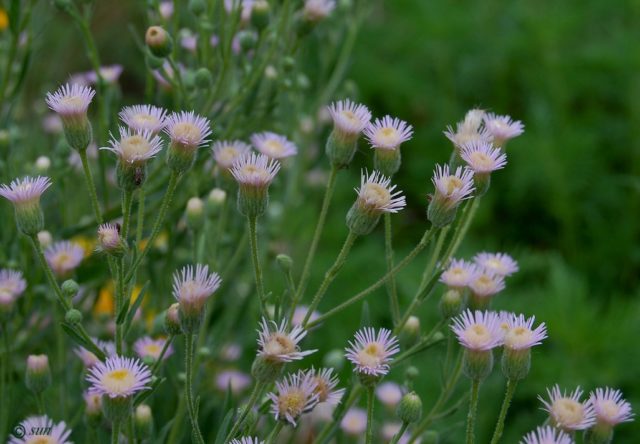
(4, 19)
(105, 303)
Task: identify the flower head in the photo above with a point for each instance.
(317, 10)
(273, 145)
(452, 188)
(485, 284)
(521, 335)
(566, 411)
(468, 130)
(88, 358)
(255, 170)
(482, 157)
(354, 422)
(389, 393)
(70, 101)
(64, 257)
(377, 195)
(388, 133)
(349, 118)
(478, 331)
(500, 264)
(12, 282)
(459, 274)
(370, 352)
(134, 147)
(141, 118)
(119, 377)
(109, 73)
(25, 191)
(149, 348)
(502, 128)
(109, 237)
(326, 382)
(236, 380)
(195, 285)
(546, 435)
(41, 430)
(187, 129)
(295, 395)
(279, 345)
(226, 152)
(610, 407)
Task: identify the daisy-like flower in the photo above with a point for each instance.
(546, 435)
(70, 102)
(166, 9)
(277, 344)
(192, 287)
(226, 152)
(521, 335)
(187, 131)
(110, 74)
(326, 383)
(134, 147)
(143, 118)
(371, 353)
(566, 411)
(376, 195)
(294, 396)
(88, 358)
(483, 286)
(41, 430)
(12, 282)
(502, 128)
(119, 377)
(478, 331)
(388, 133)
(273, 145)
(110, 240)
(349, 119)
(64, 257)
(500, 264)
(610, 407)
(468, 130)
(354, 422)
(150, 349)
(483, 158)
(25, 192)
(236, 380)
(389, 393)
(317, 10)
(254, 173)
(450, 190)
(246, 440)
(459, 274)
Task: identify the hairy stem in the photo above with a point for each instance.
(398, 435)
(392, 290)
(370, 401)
(473, 410)
(93, 195)
(508, 396)
(253, 399)
(188, 389)
(257, 269)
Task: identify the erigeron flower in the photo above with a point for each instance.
(389, 393)
(12, 282)
(376, 195)
(109, 73)
(354, 422)
(166, 9)
(254, 173)
(388, 133)
(317, 10)
(25, 194)
(279, 344)
(546, 435)
(134, 147)
(88, 358)
(236, 380)
(64, 257)
(294, 396)
(349, 120)
(502, 128)
(459, 274)
(483, 158)
(141, 118)
(450, 189)
(150, 349)
(273, 145)
(371, 353)
(246, 440)
(226, 152)
(71, 102)
(468, 130)
(484, 286)
(500, 264)
(41, 430)
(192, 287)
(478, 331)
(566, 411)
(610, 407)
(187, 131)
(519, 337)
(326, 382)
(92, 405)
(110, 241)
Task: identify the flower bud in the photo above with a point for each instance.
(172, 320)
(42, 164)
(215, 201)
(387, 161)
(411, 330)
(203, 78)
(38, 376)
(73, 317)
(45, 238)
(285, 262)
(477, 364)
(410, 408)
(110, 240)
(247, 40)
(411, 373)
(516, 363)
(197, 7)
(600, 433)
(260, 14)
(159, 41)
(266, 371)
(195, 213)
(117, 409)
(143, 421)
(451, 304)
(70, 288)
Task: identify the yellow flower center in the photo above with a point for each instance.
(143, 119)
(518, 337)
(481, 160)
(371, 355)
(350, 116)
(292, 402)
(375, 195)
(134, 147)
(322, 389)
(227, 155)
(452, 183)
(477, 335)
(40, 439)
(568, 412)
(273, 147)
(484, 283)
(609, 408)
(153, 349)
(279, 344)
(118, 381)
(187, 132)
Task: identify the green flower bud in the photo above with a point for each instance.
(197, 7)
(143, 420)
(410, 408)
(73, 317)
(266, 371)
(334, 359)
(451, 304)
(260, 14)
(172, 320)
(195, 213)
(93, 409)
(411, 373)
(247, 40)
(38, 375)
(516, 363)
(117, 409)
(477, 364)
(203, 78)
(285, 262)
(215, 201)
(70, 288)
(159, 41)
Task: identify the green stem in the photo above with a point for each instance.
(40, 403)
(156, 364)
(370, 401)
(398, 435)
(115, 433)
(253, 399)
(47, 270)
(332, 426)
(508, 396)
(140, 216)
(4, 370)
(127, 203)
(461, 230)
(120, 291)
(392, 290)
(257, 270)
(164, 206)
(473, 409)
(302, 284)
(188, 390)
(91, 186)
(364, 293)
(428, 271)
(275, 432)
(330, 275)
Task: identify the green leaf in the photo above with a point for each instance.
(224, 428)
(77, 338)
(134, 308)
(122, 314)
(14, 17)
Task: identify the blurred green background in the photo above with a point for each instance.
(566, 207)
